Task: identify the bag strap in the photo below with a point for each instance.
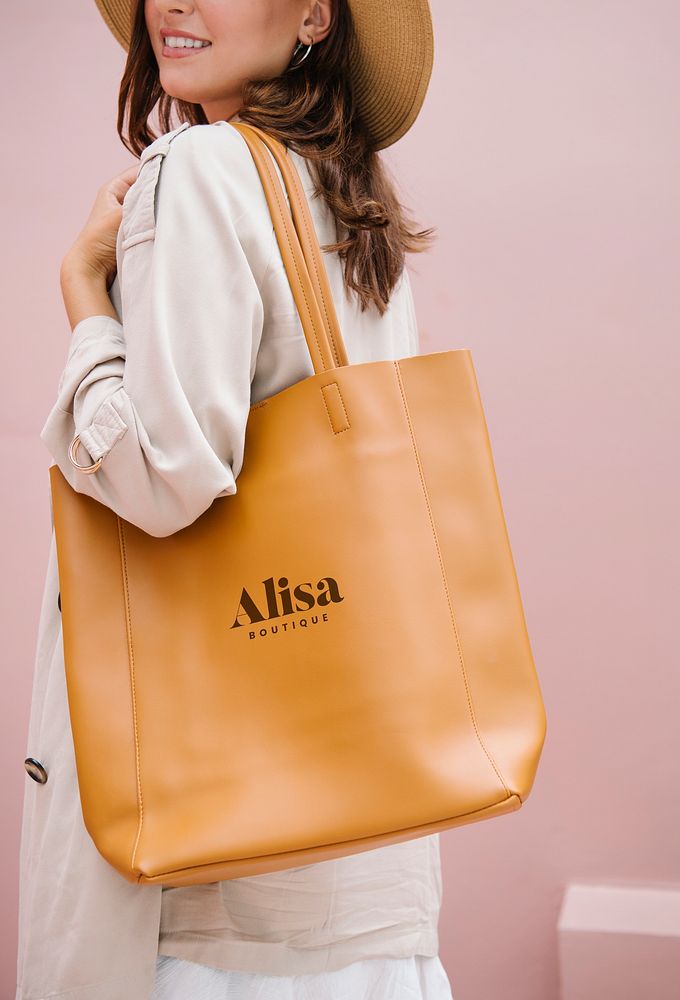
(304, 225)
(299, 247)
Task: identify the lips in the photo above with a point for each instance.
(178, 33)
(169, 53)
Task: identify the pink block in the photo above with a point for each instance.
(619, 943)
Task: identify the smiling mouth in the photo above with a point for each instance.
(180, 51)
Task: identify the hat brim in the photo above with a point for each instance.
(391, 64)
(391, 59)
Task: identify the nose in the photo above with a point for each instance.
(172, 6)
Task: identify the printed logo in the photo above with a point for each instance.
(279, 604)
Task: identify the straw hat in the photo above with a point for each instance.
(390, 61)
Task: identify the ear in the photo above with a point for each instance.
(317, 20)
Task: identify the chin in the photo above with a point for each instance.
(183, 92)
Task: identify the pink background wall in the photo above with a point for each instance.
(547, 154)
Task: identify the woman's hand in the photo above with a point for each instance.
(94, 251)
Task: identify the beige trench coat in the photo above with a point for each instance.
(207, 327)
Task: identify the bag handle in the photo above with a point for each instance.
(304, 225)
(300, 249)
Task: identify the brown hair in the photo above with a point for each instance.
(311, 109)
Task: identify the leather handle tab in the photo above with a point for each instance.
(312, 294)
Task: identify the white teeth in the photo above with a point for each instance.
(178, 42)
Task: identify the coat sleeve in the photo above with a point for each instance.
(163, 396)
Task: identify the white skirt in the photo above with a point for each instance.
(416, 978)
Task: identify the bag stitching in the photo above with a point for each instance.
(330, 418)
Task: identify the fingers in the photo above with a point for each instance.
(121, 183)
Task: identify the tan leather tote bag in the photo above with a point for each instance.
(331, 660)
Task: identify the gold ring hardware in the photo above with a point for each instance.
(73, 448)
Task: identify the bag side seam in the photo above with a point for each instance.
(461, 658)
(131, 665)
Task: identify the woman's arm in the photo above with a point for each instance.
(89, 267)
(84, 293)
(163, 397)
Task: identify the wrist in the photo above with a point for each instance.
(84, 290)
(76, 268)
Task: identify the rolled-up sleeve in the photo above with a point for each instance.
(163, 396)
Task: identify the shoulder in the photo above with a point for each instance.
(209, 155)
(208, 164)
(162, 143)
(191, 143)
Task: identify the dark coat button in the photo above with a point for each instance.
(59, 600)
(36, 770)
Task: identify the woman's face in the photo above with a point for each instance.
(249, 40)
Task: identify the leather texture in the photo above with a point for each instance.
(334, 658)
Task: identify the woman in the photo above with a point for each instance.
(164, 363)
